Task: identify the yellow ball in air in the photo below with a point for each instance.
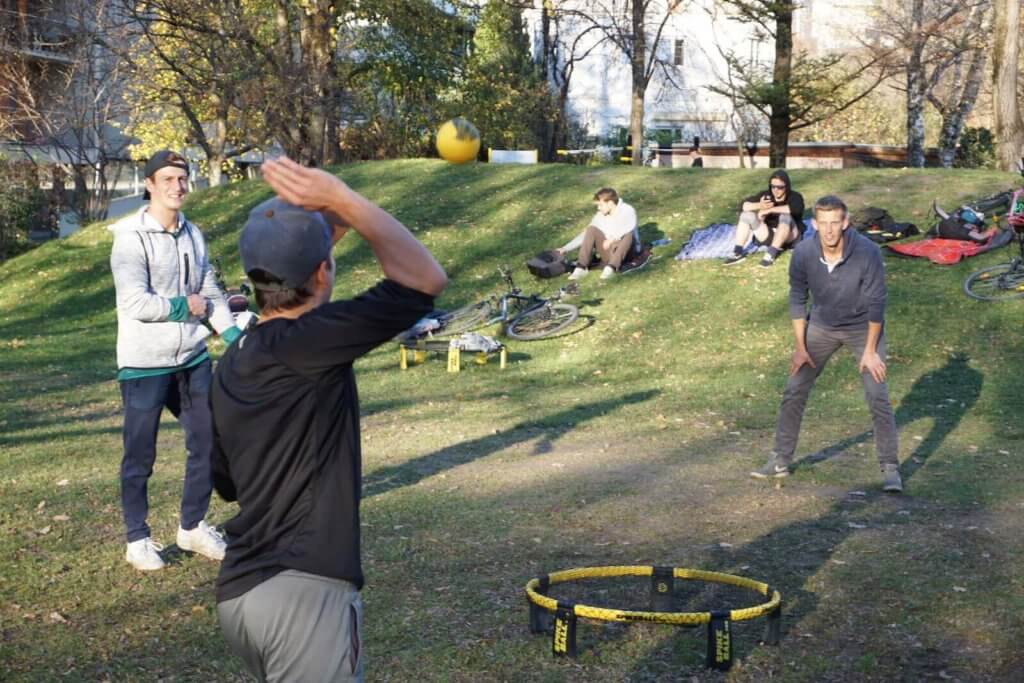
(458, 141)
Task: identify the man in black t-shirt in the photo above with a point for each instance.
(286, 424)
(774, 218)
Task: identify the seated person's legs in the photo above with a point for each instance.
(747, 225)
(613, 255)
(592, 239)
(785, 234)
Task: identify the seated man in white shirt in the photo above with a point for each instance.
(611, 233)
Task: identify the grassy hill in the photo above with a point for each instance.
(626, 443)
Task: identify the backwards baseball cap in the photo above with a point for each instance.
(163, 159)
(286, 242)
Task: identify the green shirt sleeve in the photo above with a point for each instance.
(179, 309)
(230, 335)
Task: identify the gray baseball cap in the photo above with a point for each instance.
(286, 241)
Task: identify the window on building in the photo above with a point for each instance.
(677, 53)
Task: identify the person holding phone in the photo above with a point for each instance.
(773, 218)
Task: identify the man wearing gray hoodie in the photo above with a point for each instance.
(165, 290)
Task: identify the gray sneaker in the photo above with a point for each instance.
(774, 468)
(891, 476)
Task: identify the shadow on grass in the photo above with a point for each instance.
(931, 396)
(790, 556)
(390, 478)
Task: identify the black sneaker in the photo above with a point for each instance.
(735, 258)
(767, 260)
(773, 469)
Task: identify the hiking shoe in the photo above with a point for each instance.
(608, 273)
(767, 260)
(578, 273)
(734, 259)
(891, 479)
(203, 540)
(144, 555)
(773, 469)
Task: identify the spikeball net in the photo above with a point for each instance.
(559, 617)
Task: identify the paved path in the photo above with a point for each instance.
(118, 207)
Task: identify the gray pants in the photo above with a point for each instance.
(297, 627)
(821, 344)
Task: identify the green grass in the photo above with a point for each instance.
(628, 442)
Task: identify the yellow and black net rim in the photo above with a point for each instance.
(719, 654)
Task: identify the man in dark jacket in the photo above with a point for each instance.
(774, 218)
(844, 274)
(286, 424)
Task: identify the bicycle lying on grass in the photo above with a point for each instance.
(522, 317)
(1005, 281)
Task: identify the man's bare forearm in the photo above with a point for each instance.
(401, 256)
(800, 333)
(874, 333)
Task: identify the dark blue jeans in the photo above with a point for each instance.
(186, 394)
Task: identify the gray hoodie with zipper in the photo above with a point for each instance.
(151, 267)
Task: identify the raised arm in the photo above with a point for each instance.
(401, 256)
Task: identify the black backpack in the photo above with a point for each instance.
(548, 264)
(878, 226)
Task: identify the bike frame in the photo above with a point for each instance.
(519, 303)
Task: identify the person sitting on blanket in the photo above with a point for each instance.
(612, 234)
(775, 218)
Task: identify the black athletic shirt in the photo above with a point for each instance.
(286, 437)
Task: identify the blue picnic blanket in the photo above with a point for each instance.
(716, 241)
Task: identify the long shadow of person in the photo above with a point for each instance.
(789, 556)
(388, 478)
(945, 394)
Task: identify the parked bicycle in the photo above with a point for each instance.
(524, 317)
(1004, 281)
(238, 299)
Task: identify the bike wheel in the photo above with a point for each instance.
(543, 321)
(996, 283)
(465, 319)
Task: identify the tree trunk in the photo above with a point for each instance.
(638, 62)
(217, 145)
(548, 65)
(1009, 128)
(953, 121)
(780, 118)
(916, 89)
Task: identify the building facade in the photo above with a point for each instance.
(680, 103)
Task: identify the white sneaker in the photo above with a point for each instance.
(144, 555)
(578, 273)
(204, 540)
(608, 273)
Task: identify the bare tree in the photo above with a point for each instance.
(798, 90)
(568, 37)
(68, 107)
(1006, 46)
(635, 28)
(933, 38)
(955, 82)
